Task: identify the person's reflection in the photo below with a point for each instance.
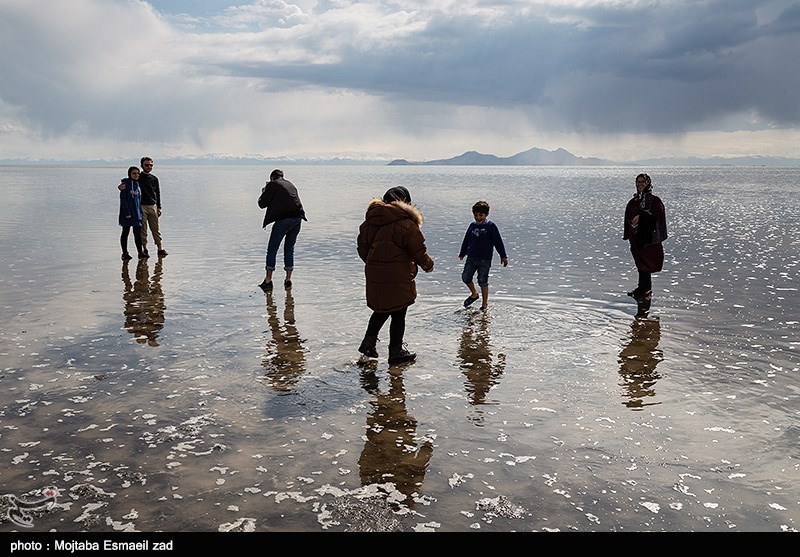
(638, 361)
(144, 302)
(285, 360)
(476, 363)
(393, 453)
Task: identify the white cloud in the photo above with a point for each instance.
(417, 80)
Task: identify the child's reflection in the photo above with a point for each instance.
(476, 362)
(144, 302)
(285, 360)
(393, 453)
(638, 361)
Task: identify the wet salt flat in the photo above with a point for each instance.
(174, 395)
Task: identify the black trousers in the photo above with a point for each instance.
(397, 328)
(645, 281)
(137, 238)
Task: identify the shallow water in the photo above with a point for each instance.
(174, 395)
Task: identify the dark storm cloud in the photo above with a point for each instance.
(654, 67)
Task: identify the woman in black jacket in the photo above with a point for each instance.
(646, 229)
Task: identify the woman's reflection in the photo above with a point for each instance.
(638, 361)
(285, 360)
(144, 302)
(476, 363)
(393, 453)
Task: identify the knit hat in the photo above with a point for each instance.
(397, 193)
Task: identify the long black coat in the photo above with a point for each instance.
(646, 238)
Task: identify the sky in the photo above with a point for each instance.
(390, 79)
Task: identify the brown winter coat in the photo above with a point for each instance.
(391, 244)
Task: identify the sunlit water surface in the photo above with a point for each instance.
(174, 395)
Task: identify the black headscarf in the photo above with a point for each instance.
(645, 197)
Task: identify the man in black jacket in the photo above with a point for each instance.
(151, 206)
(285, 213)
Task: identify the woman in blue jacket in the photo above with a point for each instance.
(130, 212)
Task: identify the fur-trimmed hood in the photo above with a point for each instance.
(380, 213)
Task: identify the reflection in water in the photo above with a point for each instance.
(638, 361)
(476, 362)
(285, 360)
(144, 302)
(393, 453)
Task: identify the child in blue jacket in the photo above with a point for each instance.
(480, 241)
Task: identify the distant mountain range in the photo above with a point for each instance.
(531, 157)
(562, 157)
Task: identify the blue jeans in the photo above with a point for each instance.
(482, 266)
(288, 229)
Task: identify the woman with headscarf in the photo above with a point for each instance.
(391, 245)
(646, 229)
(130, 213)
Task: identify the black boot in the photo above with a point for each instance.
(368, 347)
(399, 354)
(640, 294)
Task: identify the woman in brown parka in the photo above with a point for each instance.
(391, 244)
